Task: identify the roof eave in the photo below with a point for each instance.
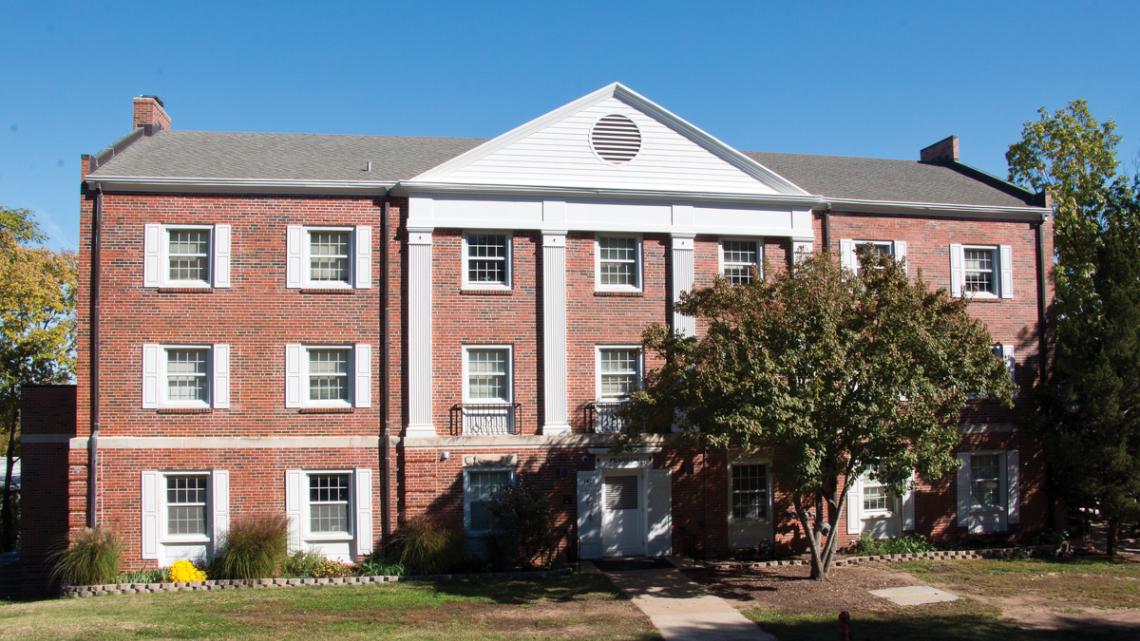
(948, 210)
(162, 184)
(410, 187)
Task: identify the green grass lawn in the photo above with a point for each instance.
(582, 608)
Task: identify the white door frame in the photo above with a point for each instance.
(642, 509)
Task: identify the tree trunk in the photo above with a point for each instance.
(7, 515)
(1112, 535)
(816, 561)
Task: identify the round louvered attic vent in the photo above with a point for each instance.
(615, 138)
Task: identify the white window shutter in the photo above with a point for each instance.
(293, 241)
(659, 512)
(152, 243)
(965, 501)
(900, 254)
(1013, 489)
(221, 394)
(150, 514)
(151, 353)
(590, 514)
(1006, 260)
(908, 503)
(362, 360)
(293, 354)
(855, 507)
(363, 270)
(222, 241)
(1010, 360)
(957, 265)
(293, 497)
(220, 503)
(847, 256)
(363, 511)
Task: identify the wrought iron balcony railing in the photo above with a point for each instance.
(484, 419)
(603, 417)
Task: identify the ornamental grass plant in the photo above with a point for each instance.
(256, 547)
(92, 558)
(421, 546)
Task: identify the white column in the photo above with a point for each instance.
(682, 281)
(419, 334)
(554, 333)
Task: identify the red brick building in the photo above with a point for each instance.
(357, 330)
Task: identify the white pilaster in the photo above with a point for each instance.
(554, 333)
(682, 281)
(419, 334)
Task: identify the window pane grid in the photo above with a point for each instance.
(740, 258)
(487, 371)
(985, 478)
(328, 374)
(619, 372)
(328, 256)
(749, 491)
(875, 497)
(186, 374)
(186, 505)
(979, 270)
(618, 261)
(188, 252)
(482, 487)
(328, 503)
(487, 258)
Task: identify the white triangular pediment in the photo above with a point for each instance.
(557, 151)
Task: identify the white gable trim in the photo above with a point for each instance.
(620, 92)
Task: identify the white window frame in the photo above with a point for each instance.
(306, 508)
(639, 267)
(995, 271)
(889, 244)
(869, 479)
(1003, 483)
(467, 495)
(732, 518)
(164, 536)
(508, 258)
(510, 382)
(350, 377)
(639, 379)
(163, 380)
(759, 242)
(164, 279)
(306, 259)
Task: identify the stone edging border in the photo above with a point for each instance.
(938, 555)
(85, 591)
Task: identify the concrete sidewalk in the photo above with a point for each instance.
(682, 611)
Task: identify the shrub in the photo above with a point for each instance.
(255, 547)
(153, 575)
(311, 565)
(92, 558)
(525, 535)
(421, 546)
(909, 544)
(185, 572)
(379, 567)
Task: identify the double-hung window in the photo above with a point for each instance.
(328, 375)
(482, 486)
(186, 256)
(619, 372)
(876, 495)
(330, 504)
(328, 257)
(618, 263)
(749, 491)
(850, 249)
(487, 390)
(486, 260)
(186, 376)
(985, 480)
(740, 259)
(187, 506)
(979, 270)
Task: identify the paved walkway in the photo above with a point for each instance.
(682, 611)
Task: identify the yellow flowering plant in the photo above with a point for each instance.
(185, 572)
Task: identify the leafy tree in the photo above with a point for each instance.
(833, 372)
(37, 330)
(1091, 408)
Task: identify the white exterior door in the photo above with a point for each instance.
(623, 514)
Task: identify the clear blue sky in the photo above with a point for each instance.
(851, 78)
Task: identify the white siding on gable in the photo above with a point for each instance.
(560, 155)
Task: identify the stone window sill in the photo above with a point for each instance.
(486, 292)
(336, 291)
(186, 290)
(326, 410)
(619, 294)
(185, 410)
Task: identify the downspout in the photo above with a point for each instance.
(93, 440)
(827, 228)
(1042, 312)
(385, 499)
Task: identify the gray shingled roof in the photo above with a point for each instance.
(223, 155)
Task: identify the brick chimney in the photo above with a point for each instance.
(150, 114)
(945, 150)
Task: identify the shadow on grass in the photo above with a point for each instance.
(558, 589)
(965, 627)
